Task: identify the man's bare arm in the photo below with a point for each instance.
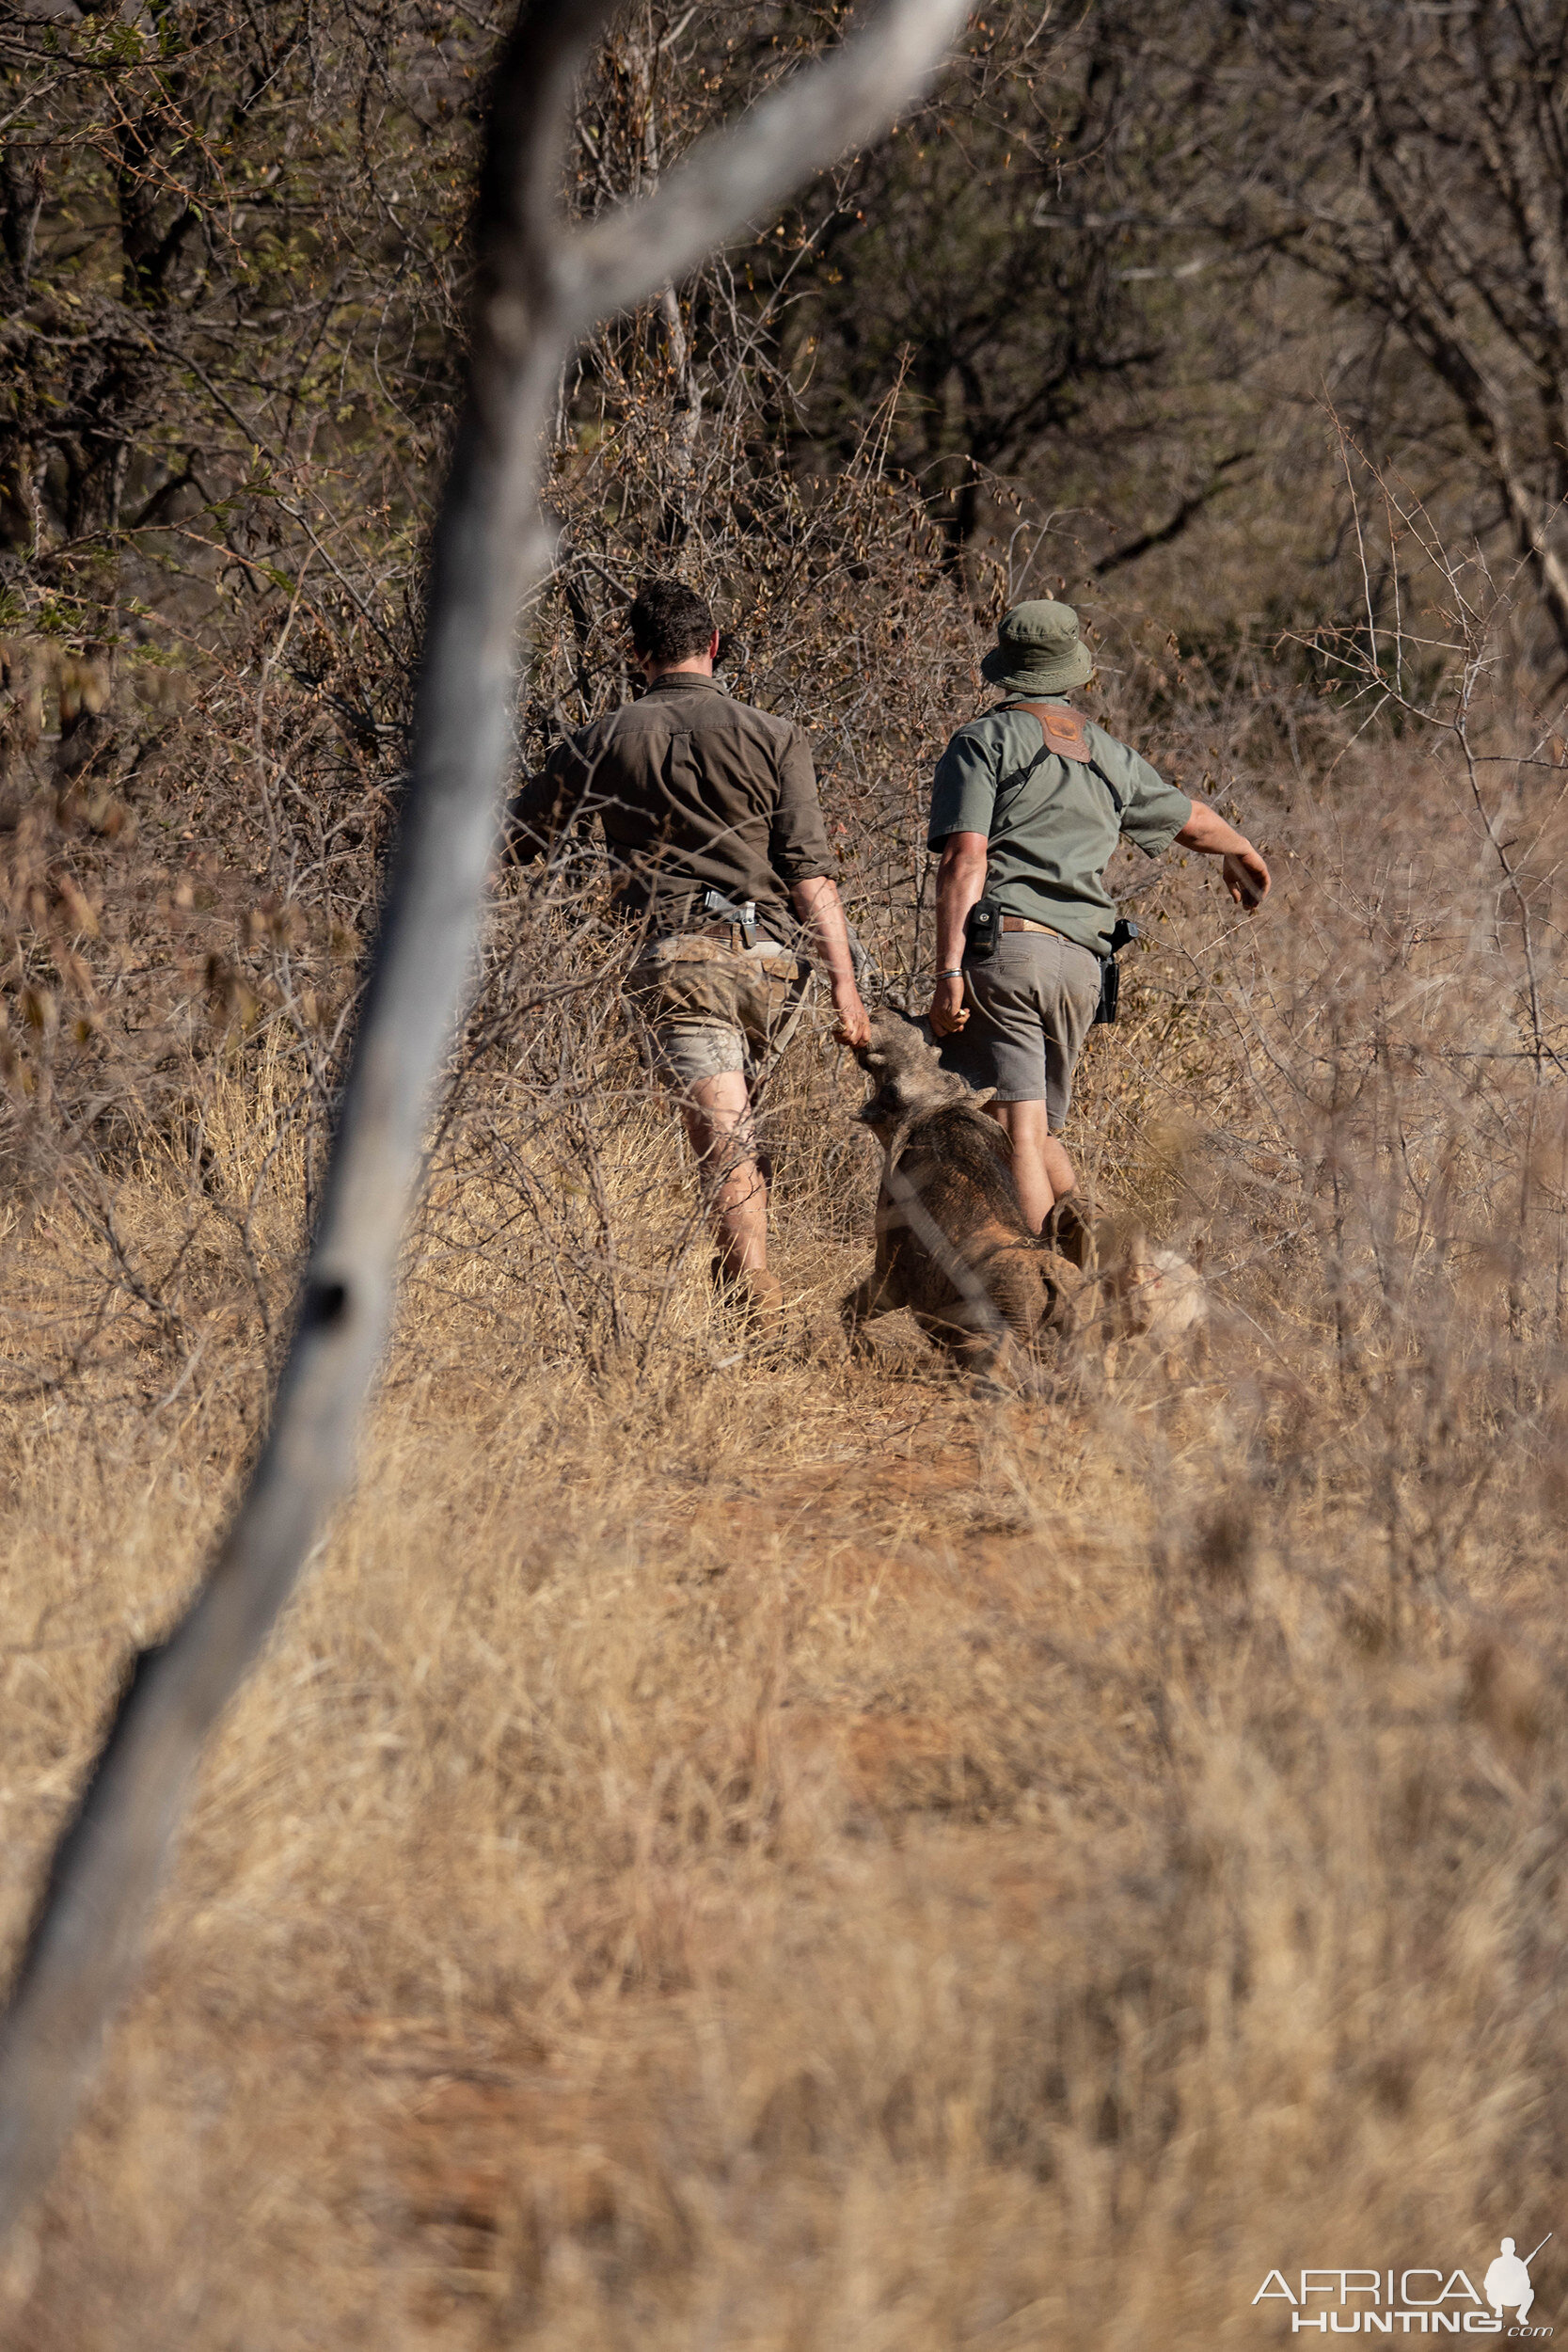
(816, 903)
(960, 879)
(1246, 877)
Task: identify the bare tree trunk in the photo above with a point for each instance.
(1530, 533)
(687, 392)
(540, 284)
(687, 418)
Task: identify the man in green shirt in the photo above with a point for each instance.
(1028, 803)
(717, 855)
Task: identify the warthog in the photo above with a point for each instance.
(952, 1245)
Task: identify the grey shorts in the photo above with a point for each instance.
(1030, 1009)
(704, 1007)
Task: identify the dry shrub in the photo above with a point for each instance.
(733, 1848)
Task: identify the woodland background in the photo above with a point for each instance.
(732, 1849)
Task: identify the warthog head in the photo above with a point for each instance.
(1154, 1294)
(909, 1083)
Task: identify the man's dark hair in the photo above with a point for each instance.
(670, 622)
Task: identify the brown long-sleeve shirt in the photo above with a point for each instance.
(695, 792)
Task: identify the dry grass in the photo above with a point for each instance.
(736, 1851)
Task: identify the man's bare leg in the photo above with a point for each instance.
(738, 1202)
(1042, 1171)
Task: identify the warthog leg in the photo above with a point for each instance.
(880, 1294)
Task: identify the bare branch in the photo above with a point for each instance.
(735, 175)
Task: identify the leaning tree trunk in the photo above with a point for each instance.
(540, 284)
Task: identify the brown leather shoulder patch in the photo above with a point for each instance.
(1065, 731)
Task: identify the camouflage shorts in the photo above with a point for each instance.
(705, 1007)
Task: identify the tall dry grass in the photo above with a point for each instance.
(734, 1850)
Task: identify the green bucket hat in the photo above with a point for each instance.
(1039, 651)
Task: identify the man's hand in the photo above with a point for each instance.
(1246, 877)
(816, 902)
(948, 1013)
(853, 1027)
(960, 879)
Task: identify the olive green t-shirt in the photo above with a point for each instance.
(695, 791)
(1053, 823)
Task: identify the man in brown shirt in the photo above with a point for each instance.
(710, 814)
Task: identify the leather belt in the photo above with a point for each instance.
(731, 934)
(1022, 923)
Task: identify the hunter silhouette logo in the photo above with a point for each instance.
(1411, 2302)
(1508, 2280)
